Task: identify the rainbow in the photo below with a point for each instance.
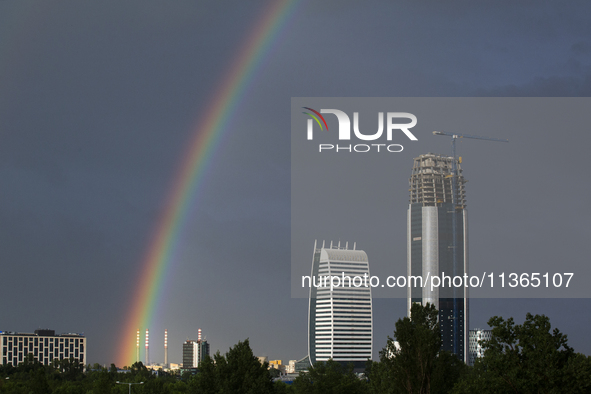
(206, 138)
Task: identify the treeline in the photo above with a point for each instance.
(71, 377)
(526, 358)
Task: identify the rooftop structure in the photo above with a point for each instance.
(431, 181)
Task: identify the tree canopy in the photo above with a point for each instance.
(329, 377)
(531, 357)
(527, 358)
(417, 364)
(238, 372)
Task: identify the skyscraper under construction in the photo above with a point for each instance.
(438, 244)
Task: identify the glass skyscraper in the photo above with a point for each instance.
(438, 245)
(340, 319)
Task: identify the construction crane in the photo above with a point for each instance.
(454, 175)
(454, 165)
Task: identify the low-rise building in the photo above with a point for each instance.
(44, 345)
(276, 364)
(475, 349)
(290, 368)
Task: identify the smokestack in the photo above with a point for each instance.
(147, 347)
(165, 347)
(199, 336)
(137, 357)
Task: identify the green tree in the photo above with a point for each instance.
(283, 388)
(527, 358)
(417, 365)
(329, 377)
(274, 372)
(238, 372)
(69, 369)
(381, 379)
(139, 372)
(38, 382)
(102, 383)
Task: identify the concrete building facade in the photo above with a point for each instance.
(44, 345)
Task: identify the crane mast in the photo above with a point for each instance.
(455, 219)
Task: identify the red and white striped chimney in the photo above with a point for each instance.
(147, 347)
(199, 336)
(166, 347)
(137, 357)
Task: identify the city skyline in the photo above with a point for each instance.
(99, 104)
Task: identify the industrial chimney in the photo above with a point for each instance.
(147, 347)
(165, 347)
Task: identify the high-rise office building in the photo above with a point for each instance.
(43, 345)
(438, 245)
(340, 319)
(194, 352)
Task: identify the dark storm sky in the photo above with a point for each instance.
(98, 101)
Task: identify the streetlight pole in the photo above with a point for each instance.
(118, 382)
